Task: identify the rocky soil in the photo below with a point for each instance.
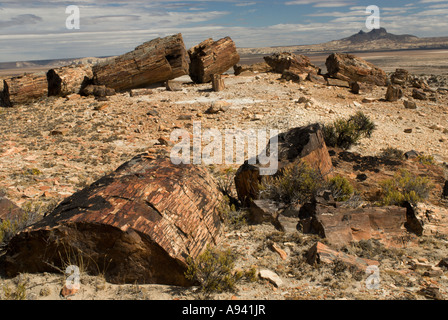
(56, 146)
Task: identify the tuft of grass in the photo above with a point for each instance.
(232, 217)
(405, 187)
(214, 270)
(344, 133)
(18, 292)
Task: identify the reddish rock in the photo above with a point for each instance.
(351, 68)
(136, 225)
(320, 253)
(394, 93)
(212, 57)
(342, 225)
(299, 144)
(8, 209)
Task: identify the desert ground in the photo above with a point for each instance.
(56, 146)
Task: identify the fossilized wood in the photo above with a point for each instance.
(155, 61)
(279, 62)
(217, 83)
(23, 89)
(136, 225)
(340, 225)
(212, 57)
(298, 144)
(67, 80)
(349, 68)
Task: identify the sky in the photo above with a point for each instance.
(37, 30)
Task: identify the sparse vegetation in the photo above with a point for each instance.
(299, 183)
(214, 270)
(341, 188)
(403, 187)
(426, 159)
(296, 183)
(344, 133)
(232, 217)
(391, 153)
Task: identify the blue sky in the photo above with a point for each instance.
(35, 30)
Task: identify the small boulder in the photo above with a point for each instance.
(394, 93)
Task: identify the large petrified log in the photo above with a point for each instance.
(136, 225)
(351, 68)
(155, 61)
(23, 89)
(298, 144)
(212, 57)
(69, 79)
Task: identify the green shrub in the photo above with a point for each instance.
(405, 187)
(214, 270)
(426, 159)
(341, 188)
(298, 182)
(232, 217)
(344, 133)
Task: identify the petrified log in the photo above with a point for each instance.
(23, 89)
(217, 83)
(155, 61)
(394, 93)
(260, 67)
(299, 144)
(343, 225)
(212, 57)
(67, 80)
(136, 225)
(351, 68)
(279, 62)
(97, 91)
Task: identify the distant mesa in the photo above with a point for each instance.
(377, 34)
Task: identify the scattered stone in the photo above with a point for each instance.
(172, 85)
(271, 277)
(68, 292)
(153, 113)
(280, 251)
(355, 87)
(419, 95)
(409, 104)
(218, 106)
(140, 92)
(98, 91)
(431, 293)
(320, 253)
(338, 83)
(400, 77)
(412, 154)
(368, 100)
(263, 211)
(316, 78)
(408, 130)
(394, 93)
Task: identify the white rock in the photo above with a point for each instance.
(271, 277)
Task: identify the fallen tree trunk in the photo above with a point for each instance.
(23, 89)
(155, 61)
(67, 80)
(212, 57)
(136, 225)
